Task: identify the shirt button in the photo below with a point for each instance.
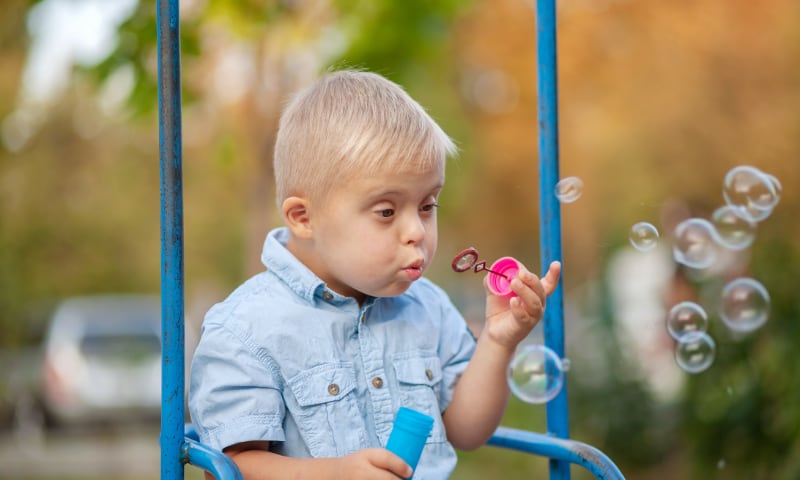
(333, 389)
(429, 374)
(327, 295)
(377, 382)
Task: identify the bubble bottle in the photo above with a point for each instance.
(409, 433)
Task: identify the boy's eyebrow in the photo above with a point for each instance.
(394, 193)
(390, 191)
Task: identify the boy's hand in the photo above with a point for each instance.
(508, 321)
(373, 464)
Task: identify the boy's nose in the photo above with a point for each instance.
(413, 231)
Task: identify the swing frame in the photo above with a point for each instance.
(179, 443)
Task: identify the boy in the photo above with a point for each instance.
(299, 372)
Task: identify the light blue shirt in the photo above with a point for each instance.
(287, 360)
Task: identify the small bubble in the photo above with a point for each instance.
(733, 227)
(566, 363)
(536, 374)
(751, 191)
(569, 189)
(744, 305)
(721, 464)
(685, 318)
(644, 236)
(694, 244)
(695, 352)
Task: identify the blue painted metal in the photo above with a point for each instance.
(179, 446)
(211, 460)
(172, 279)
(562, 450)
(550, 210)
(190, 432)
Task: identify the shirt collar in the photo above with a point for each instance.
(305, 283)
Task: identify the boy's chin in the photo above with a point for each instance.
(391, 291)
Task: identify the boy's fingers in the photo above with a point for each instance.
(395, 464)
(550, 280)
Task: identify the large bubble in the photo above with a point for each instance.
(569, 189)
(695, 352)
(694, 244)
(752, 192)
(685, 318)
(733, 227)
(744, 305)
(536, 374)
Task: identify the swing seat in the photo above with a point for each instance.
(574, 452)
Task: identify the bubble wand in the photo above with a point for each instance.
(500, 273)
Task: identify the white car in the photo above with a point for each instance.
(102, 360)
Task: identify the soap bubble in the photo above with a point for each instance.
(536, 374)
(644, 236)
(734, 229)
(744, 305)
(685, 318)
(776, 184)
(569, 189)
(752, 191)
(695, 352)
(694, 243)
(566, 363)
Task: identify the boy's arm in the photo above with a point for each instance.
(481, 393)
(257, 463)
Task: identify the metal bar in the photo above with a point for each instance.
(211, 460)
(172, 272)
(563, 450)
(550, 210)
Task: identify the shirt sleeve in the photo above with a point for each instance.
(456, 346)
(234, 394)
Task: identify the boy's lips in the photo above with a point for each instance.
(414, 271)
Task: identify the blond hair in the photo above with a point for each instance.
(351, 122)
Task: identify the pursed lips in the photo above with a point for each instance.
(415, 269)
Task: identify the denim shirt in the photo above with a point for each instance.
(286, 360)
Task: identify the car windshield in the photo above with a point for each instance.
(121, 330)
(132, 344)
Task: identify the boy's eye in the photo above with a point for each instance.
(429, 207)
(386, 212)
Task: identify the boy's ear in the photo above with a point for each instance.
(296, 215)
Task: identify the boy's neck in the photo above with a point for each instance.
(304, 253)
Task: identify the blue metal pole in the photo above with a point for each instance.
(172, 281)
(550, 210)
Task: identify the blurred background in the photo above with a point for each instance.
(659, 100)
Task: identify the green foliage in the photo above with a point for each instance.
(137, 49)
(618, 411)
(395, 38)
(738, 415)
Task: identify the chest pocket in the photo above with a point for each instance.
(326, 410)
(420, 378)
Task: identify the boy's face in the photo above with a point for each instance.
(376, 234)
